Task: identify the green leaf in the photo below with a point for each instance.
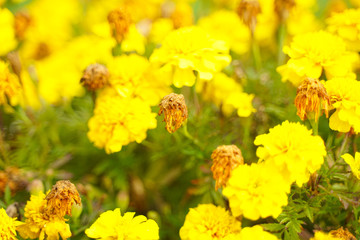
(272, 227)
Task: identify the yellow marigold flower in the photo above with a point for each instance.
(241, 102)
(112, 226)
(344, 97)
(323, 236)
(293, 149)
(188, 49)
(117, 121)
(95, 76)
(227, 26)
(120, 21)
(7, 34)
(225, 159)
(61, 198)
(7, 226)
(353, 163)
(40, 225)
(182, 16)
(175, 111)
(256, 191)
(312, 53)
(9, 85)
(311, 98)
(342, 234)
(302, 20)
(160, 28)
(133, 76)
(346, 25)
(255, 232)
(209, 222)
(266, 24)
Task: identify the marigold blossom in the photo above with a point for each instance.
(117, 121)
(120, 22)
(7, 226)
(112, 226)
(191, 48)
(311, 54)
(323, 236)
(256, 191)
(175, 111)
(248, 11)
(344, 97)
(255, 232)
(293, 149)
(354, 163)
(209, 222)
(225, 159)
(342, 234)
(9, 85)
(7, 34)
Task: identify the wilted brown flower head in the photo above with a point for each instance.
(311, 95)
(61, 198)
(247, 11)
(175, 111)
(22, 22)
(95, 76)
(342, 234)
(225, 159)
(182, 16)
(283, 8)
(13, 178)
(119, 21)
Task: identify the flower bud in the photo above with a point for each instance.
(95, 76)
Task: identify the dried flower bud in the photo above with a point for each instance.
(175, 111)
(22, 22)
(225, 159)
(248, 11)
(283, 8)
(95, 76)
(61, 198)
(311, 95)
(119, 21)
(342, 234)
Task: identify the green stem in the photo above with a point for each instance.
(281, 39)
(315, 126)
(189, 136)
(256, 54)
(344, 145)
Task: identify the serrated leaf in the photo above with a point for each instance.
(309, 213)
(294, 234)
(272, 227)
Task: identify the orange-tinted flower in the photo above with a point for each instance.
(283, 7)
(22, 22)
(175, 111)
(248, 10)
(119, 20)
(311, 95)
(225, 159)
(342, 234)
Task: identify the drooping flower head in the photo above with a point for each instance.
(311, 98)
(95, 76)
(255, 232)
(191, 48)
(293, 149)
(208, 221)
(21, 24)
(256, 191)
(120, 21)
(225, 159)
(61, 198)
(354, 163)
(10, 87)
(40, 225)
(346, 25)
(311, 54)
(248, 11)
(175, 111)
(112, 226)
(117, 121)
(7, 226)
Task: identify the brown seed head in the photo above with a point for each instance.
(61, 198)
(95, 76)
(225, 159)
(175, 111)
(247, 11)
(311, 95)
(119, 21)
(342, 234)
(22, 22)
(283, 8)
